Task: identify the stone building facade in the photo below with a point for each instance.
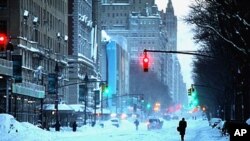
(38, 31)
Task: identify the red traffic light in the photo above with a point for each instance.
(145, 64)
(145, 60)
(3, 41)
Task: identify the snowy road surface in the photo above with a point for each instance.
(197, 130)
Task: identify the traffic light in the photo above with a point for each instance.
(135, 107)
(189, 92)
(204, 108)
(145, 62)
(17, 68)
(52, 83)
(3, 41)
(192, 88)
(148, 106)
(105, 89)
(142, 99)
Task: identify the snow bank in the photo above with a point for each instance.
(8, 124)
(248, 121)
(12, 130)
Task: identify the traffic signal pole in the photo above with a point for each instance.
(146, 60)
(179, 52)
(205, 86)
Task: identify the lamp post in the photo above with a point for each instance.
(9, 49)
(57, 99)
(86, 79)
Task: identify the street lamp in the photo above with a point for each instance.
(57, 99)
(86, 79)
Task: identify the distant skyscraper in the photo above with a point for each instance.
(171, 26)
(145, 28)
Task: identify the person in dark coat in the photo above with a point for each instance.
(57, 126)
(136, 123)
(182, 128)
(74, 125)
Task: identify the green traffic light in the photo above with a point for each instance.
(148, 106)
(106, 90)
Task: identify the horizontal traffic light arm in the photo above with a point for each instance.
(218, 89)
(122, 96)
(90, 81)
(179, 52)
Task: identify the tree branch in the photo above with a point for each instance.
(225, 39)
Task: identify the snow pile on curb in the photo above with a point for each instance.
(248, 121)
(12, 130)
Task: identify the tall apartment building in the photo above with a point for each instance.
(117, 72)
(38, 30)
(146, 28)
(82, 51)
(174, 77)
(171, 26)
(141, 27)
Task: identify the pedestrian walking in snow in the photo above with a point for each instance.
(182, 128)
(136, 122)
(57, 126)
(74, 125)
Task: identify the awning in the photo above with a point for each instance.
(61, 107)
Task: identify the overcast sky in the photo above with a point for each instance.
(184, 36)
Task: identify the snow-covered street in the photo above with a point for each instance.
(197, 130)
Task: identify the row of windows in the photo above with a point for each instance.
(47, 22)
(113, 22)
(114, 7)
(31, 63)
(53, 4)
(44, 17)
(143, 34)
(116, 15)
(144, 22)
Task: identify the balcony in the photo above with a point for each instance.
(6, 67)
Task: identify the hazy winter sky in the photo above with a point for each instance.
(184, 36)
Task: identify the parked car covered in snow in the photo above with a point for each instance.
(115, 122)
(214, 121)
(154, 123)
